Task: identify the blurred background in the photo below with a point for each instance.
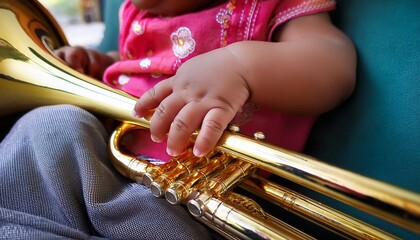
(82, 20)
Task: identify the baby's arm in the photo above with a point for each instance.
(87, 61)
(309, 68)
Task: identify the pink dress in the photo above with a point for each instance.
(152, 48)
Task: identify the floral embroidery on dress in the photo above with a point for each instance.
(250, 21)
(176, 64)
(183, 44)
(223, 18)
(304, 7)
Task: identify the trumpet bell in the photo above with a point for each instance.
(31, 75)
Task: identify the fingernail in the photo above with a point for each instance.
(169, 152)
(134, 113)
(149, 116)
(155, 139)
(197, 152)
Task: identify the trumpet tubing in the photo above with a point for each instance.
(31, 76)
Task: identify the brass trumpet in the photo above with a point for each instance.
(31, 76)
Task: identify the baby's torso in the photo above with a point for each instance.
(152, 49)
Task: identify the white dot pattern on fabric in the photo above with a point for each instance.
(145, 63)
(123, 79)
(137, 28)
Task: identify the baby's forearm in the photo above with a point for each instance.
(306, 76)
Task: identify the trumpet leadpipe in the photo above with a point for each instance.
(391, 203)
(312, 210)
(241, 217)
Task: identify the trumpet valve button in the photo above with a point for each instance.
(234, 128)
(172, 196)
(156, 189)
(147, 180)
(195, 208)
(259, 135)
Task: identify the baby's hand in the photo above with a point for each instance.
(86, 61)
(206, 93)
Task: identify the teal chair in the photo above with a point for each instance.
(376, 132)
(111, 21)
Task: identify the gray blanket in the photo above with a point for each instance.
(56, 183)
